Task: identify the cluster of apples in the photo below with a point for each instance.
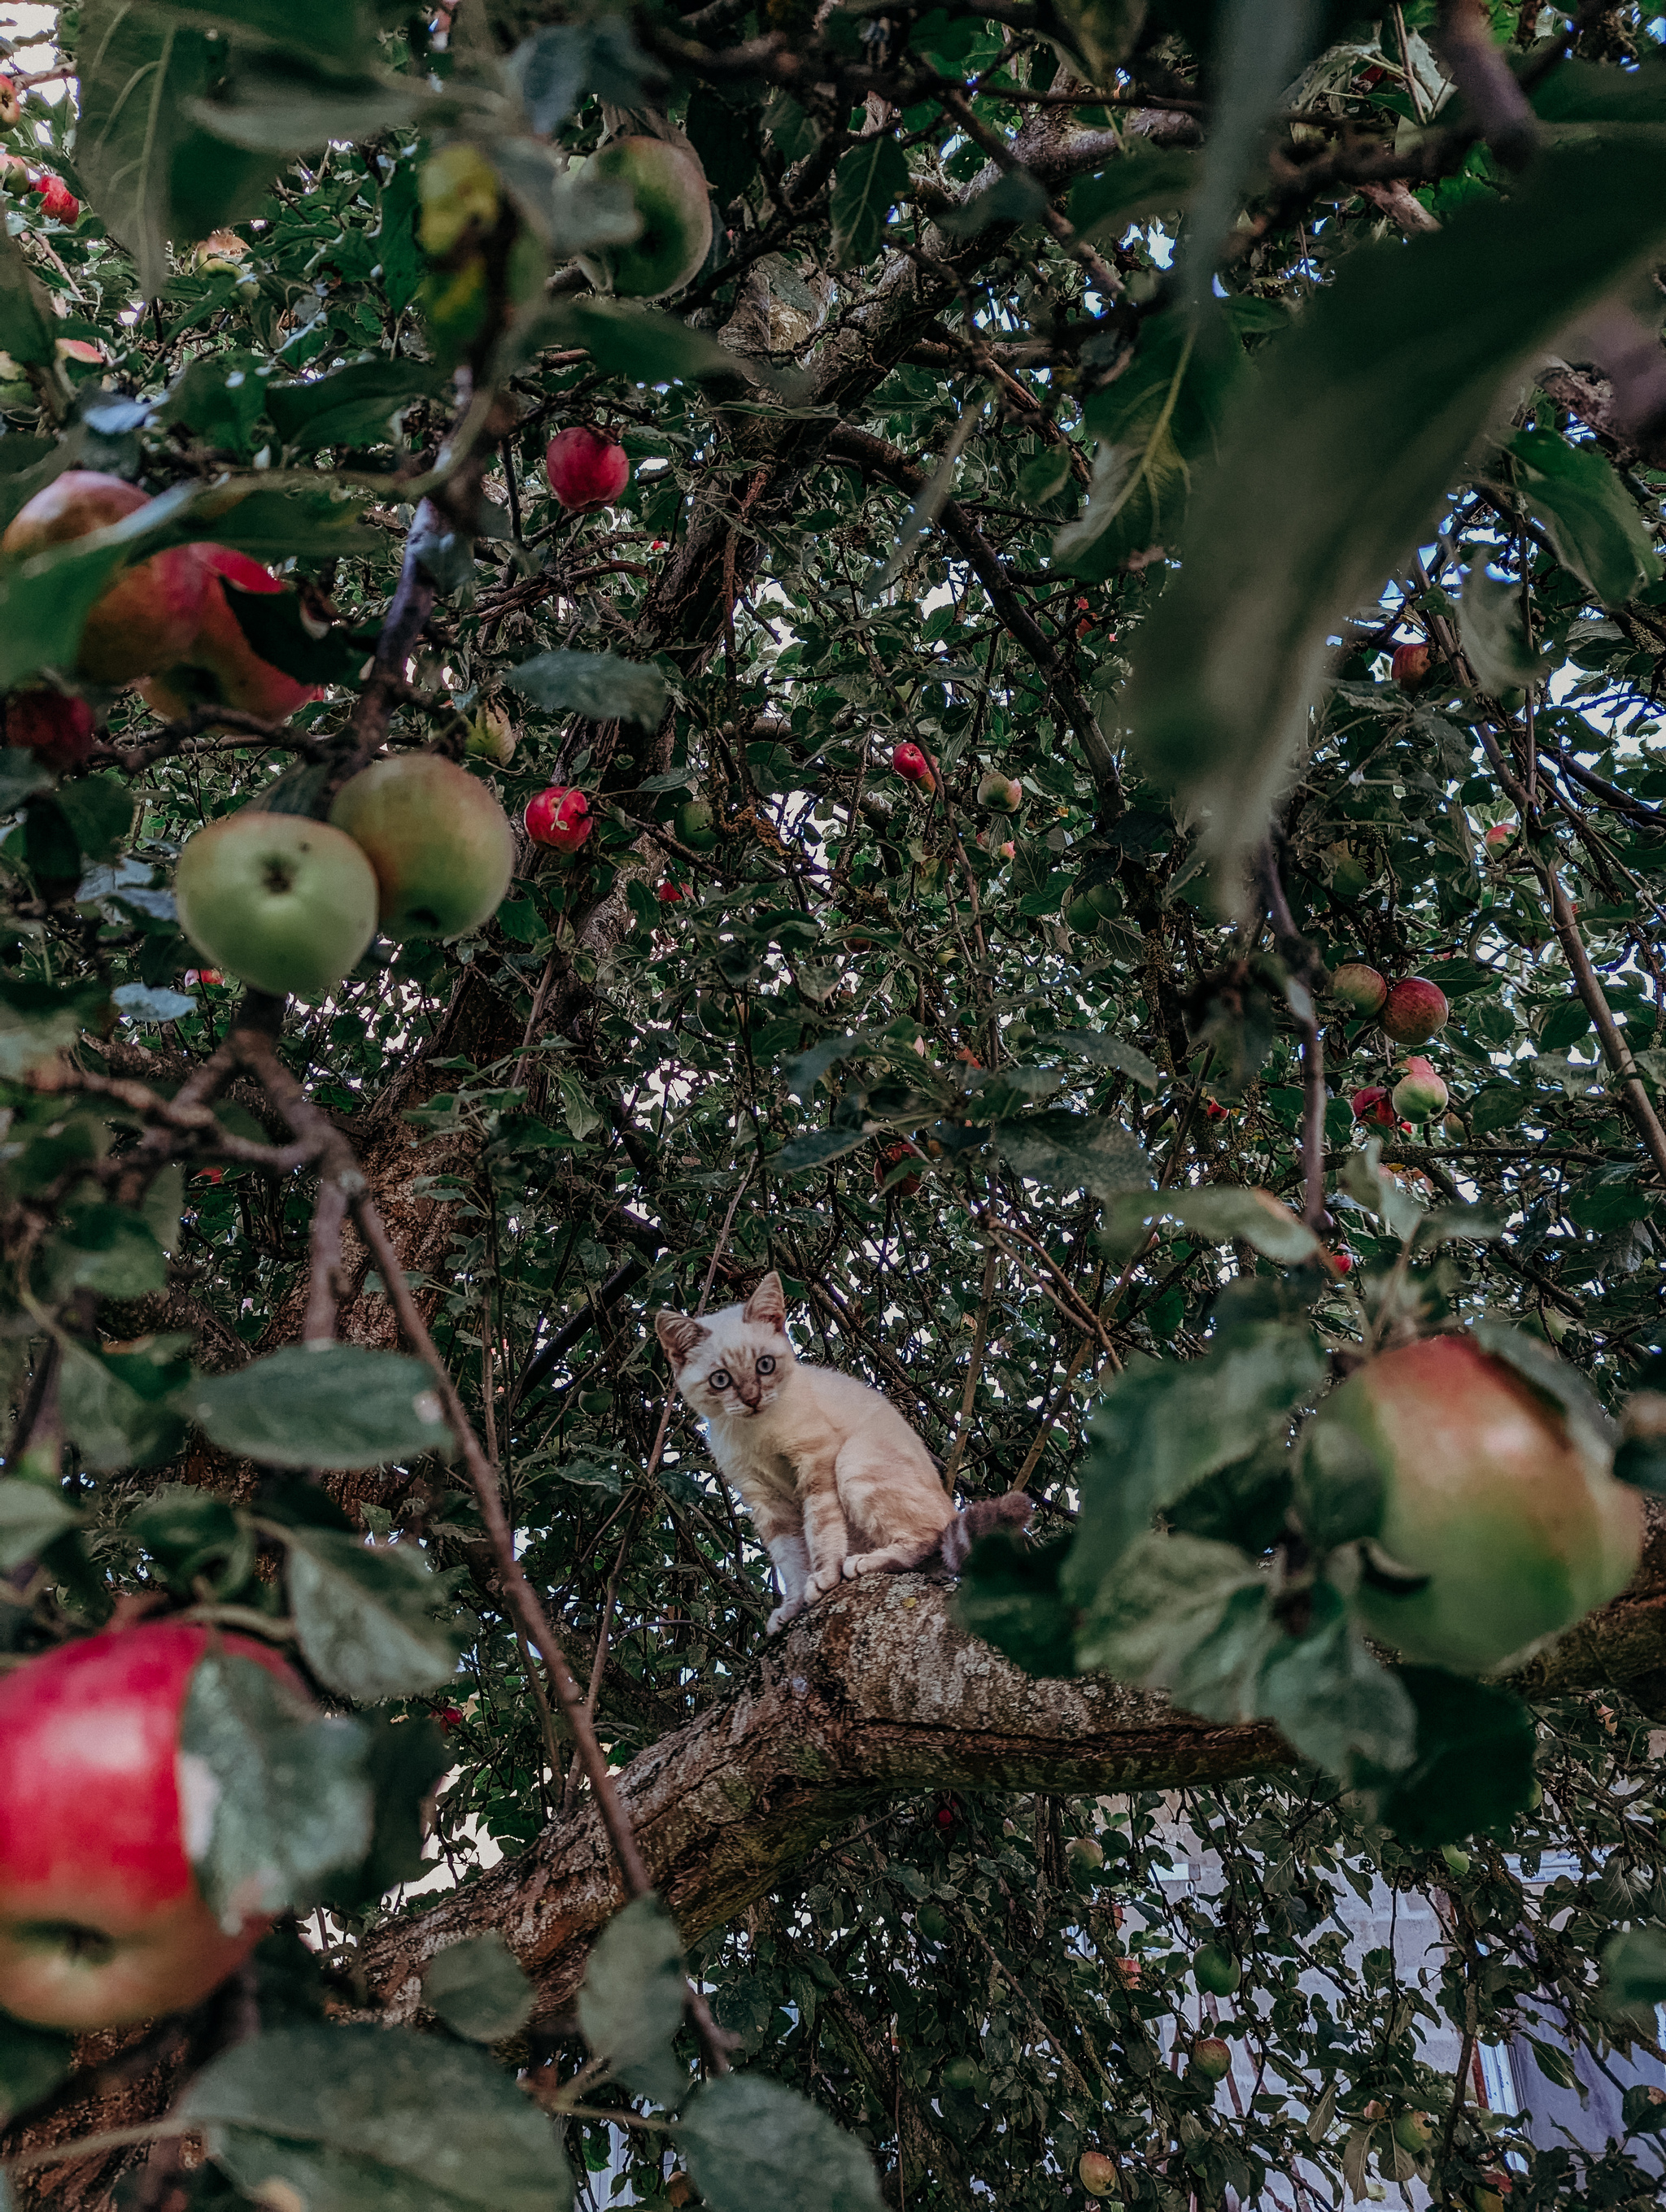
(414, 846)
(56, 198)
(1411, 1012)
(166, 625)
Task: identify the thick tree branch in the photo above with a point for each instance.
(872, 1695)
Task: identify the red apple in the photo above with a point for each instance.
(1409, 668)
(440, 843)
(1419, 1094)
(101, 1921)
(890, 1157)
(1500, 1524)
(999, 793)
(57, 200)
(911, 764)
(998, 847)
(1096, 2172)
(559, 818)
(1210, 2058)
(11, 103)
(1500, 835)
(218, 667)
(52, 724)
(669, 894)
(148, 613)
(1414, 1011)
(1359, 989)
(1343, 1260)
(587, 469)
(1372, 1104)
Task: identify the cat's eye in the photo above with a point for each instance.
(766, 1365)
(719, 1378)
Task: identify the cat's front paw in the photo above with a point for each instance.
(788, 1610)
(818, 1585)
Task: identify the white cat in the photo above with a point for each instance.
(836, 1480)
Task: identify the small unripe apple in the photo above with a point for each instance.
(998, 847)
(1500, 835)
(148, 613)
(587, 469)
(1412, 2132)
(1358, 987)
(1211, 2058)
(999, 793)
(1343, 1260)
(11, 104)
(668, 186)
(932, 1921)
(218, 667)
(1409, 668)
(669, 894)
(1372, 1104)
(1414, 1011)
(102, 1919)
(1096, 2172)
(1216, 1971)
(1087, 1851)
(693, 825)
(286, 903)
(1419, 1094)
(51, 723)
(492, 737)
(1128, 1972)
(1488, 2194)
(890, 1157)
(559, 818)
(1083, 916)
(440, 843)
(911, 764)
(1500, 1522)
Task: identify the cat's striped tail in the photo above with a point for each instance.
(1012, 1512)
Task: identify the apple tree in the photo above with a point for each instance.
(1007, 659)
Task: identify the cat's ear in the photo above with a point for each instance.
(768, 1303)
(679, 1334)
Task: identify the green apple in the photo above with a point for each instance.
(669, 188)
(440, 845)
(286, 903)
(1215, 1969)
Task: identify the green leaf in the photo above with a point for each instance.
(28, 325)
(1167, 1601)
(1075, 1152)
(598, 686)
(222, 396)
(280, 631)
(31, 1515)
(1216, 1216)
(270, 524)
(867, 185)
(371, 2119)
(559, 65)
(323, 1405)
(817, 1147)
(1332, 1699)
(152, 1006)
(643, 345)
(750, 2143)
(631, 2005)
(359, 405)
(364, 1615)
(271, 109)
(187, 1531)
(1104, 1052)
(405, 1759)
(1016, 197)
(1473, 1764)
(33, 2062)
(1146, 181)
(110, 1423)
(1634, 1974)
(1588, 516)
(1335, 459)
(1009, 1596)
(478, 1989)
(1154, 422)
(1366, 1179)
(1490, 619)
(274, 1797)
(1163, 1426)
(106, 1249)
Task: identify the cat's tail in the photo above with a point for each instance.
(984, 1514)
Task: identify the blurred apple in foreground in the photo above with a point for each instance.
(149, 612)
(218, 667)
(51, 723)
(285, 903)
(668, 187)
(101, 1920)
(1500, 1525)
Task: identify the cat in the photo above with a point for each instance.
(836, 1482)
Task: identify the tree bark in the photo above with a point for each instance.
(876, 1694)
